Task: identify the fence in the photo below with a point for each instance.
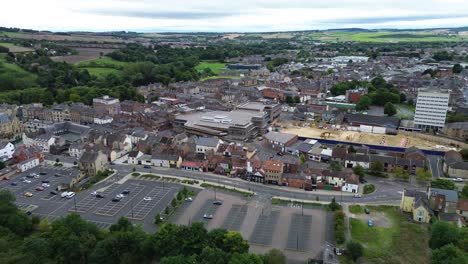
(437, 139)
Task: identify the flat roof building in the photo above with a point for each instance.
(236, 125)
(431, 108)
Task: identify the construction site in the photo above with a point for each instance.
(343, 134)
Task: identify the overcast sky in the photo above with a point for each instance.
(230, 15)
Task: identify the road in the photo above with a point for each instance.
(386, 191)
(434, 164)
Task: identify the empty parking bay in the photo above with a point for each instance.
(235, 217)
(112, 208)
(208, 208)
(142, 208)
(91, 201)
(299, 232)
(264, 229)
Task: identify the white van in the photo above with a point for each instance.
(64, 194)
(70, 195)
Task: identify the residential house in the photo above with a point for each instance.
(416, 202)
(23, 153)
(205, 144)
(351, 184)
(76, 150)
(296, 181)
(28, 164)
(9, 125)
(462, 208)
(166, 161)
(339, 154)
(273, 171)
(6, 150)
(93, 161)
(442, 201)
(191, 166)
(133, 157)
(457, 130)
(279, 141)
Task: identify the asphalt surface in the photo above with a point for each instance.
(386, 191)
(435, 166)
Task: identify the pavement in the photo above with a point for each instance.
(435, 166)
(386, 191)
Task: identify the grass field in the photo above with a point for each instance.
(84, 54)
(214, 66)
(20, 72)
(402, 242)
(385, 37)
(101, 67)
(13, 48)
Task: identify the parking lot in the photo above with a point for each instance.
(235, 217)
(24, 182)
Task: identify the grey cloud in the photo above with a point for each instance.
(378, 20)
(179, 15)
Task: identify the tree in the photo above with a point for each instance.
(443, 184)
(333, 205)
(166, 210)
(359, 171)
(354, 250)
(234, 243)
(351, 149)
(179, 196)
(274, 256)
(157, 219)
(2, 165)
(464, 153)
(364, 103)
(376, 167)
(411, 102)
(449, 254)
(464, 192)
(443, 233)
(402, 97)
(335, 166)
(423, 174)
(457, 68)
(302, 158)
(289, 99)
(389, 109)
(213, 256)
(174, 202)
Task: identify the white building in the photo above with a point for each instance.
(431, 108)
(205, 144)
(6, 150)
(28, 164)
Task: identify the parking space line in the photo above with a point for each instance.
(143, 208)
(112, 208)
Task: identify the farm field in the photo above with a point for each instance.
(392, 239)
(214, 66)
(13, 48)
(56, 37)
(361, 137)
(16, 71)
(101, 72)
(385, 37)
(84, 54)
(101, 67)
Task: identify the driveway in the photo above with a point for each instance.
(435, 166)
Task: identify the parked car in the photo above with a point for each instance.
(13, 183)
(6, 178)
(147, 166)
(42, 173)
(218, 202)
(279, 154)
(57, 175)
(120, 196)
(208, 216)
(370, 222)
(53, 192)
(357, 196)
(45, 181)
(147, 198)
(366, 211)
(64, 194)
(30, 176)
(126, 192)
(28, 194)
(99, 195)
(70, 195)
(45, 185)
(116, 199)
(189, 199)
(458, 180)
(26, 181)
(39, 189)
(94, 193)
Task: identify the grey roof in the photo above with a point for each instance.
(4, 143)
(207, 141)
(305, 147)
(386, 121)
(165, 157)
(89, 157)
(450, 195)
(279, 137)
(459, 165)
(458, 125)
(4, 118)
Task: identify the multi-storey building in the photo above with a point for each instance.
(431, 108)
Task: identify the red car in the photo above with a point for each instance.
(6, 178)
(39, 188)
